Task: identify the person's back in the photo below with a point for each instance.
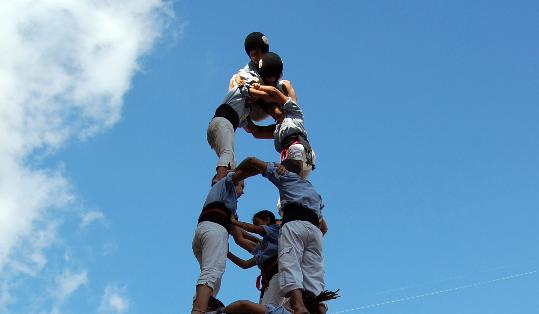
(295, 191)
(210, 242)
(301, 262)
(292, 123)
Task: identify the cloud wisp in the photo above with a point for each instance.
(114, 300)
(65, 66)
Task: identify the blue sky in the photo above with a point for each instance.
(423, 115)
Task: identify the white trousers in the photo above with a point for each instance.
(210, 246)
(272, 295)
(301, 262)
(221, 139)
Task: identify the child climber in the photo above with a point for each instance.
(231, 114)
(288, 132)
(264, 251)
(256, 45)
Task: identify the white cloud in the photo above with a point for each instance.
(67, 283)
(90, 217)
(113, 300)
(5, 296)
(65, 66)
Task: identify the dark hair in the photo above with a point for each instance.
(292, 165)
(265, 214)
(270, 65)
(214, 304)
(256, 40)
(312, 301)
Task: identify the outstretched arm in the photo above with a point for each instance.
(245, 264)
(289, 90)
(240, 240)
(251, 237)
(275, 94)
(260, 131)
(249, 227)
(236, 80)
(249, 167)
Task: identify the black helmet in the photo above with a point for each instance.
(270, 65)
(256, 40)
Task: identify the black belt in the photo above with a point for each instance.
(218, 213)
(302, 139)
(227, 112)
(293, 212)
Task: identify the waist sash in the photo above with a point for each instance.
(227, 112)
(293, 212)
(218, 213)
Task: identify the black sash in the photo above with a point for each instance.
(293, 212)
(228, 113)
(218, 213)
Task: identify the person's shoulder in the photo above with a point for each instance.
(296, 177)
(275, 226)
(291, 106)
(272, 228)
(219, 185)
(228, 178)
(232, 93)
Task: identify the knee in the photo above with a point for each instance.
(209, 277)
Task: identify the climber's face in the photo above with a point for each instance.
(271, 80)
(256, 55)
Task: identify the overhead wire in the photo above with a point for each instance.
(428, 294)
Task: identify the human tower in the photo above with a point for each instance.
(288, 251)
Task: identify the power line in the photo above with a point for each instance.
(428, 294)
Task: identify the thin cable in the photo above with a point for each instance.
(484, 270)
(428, 294)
